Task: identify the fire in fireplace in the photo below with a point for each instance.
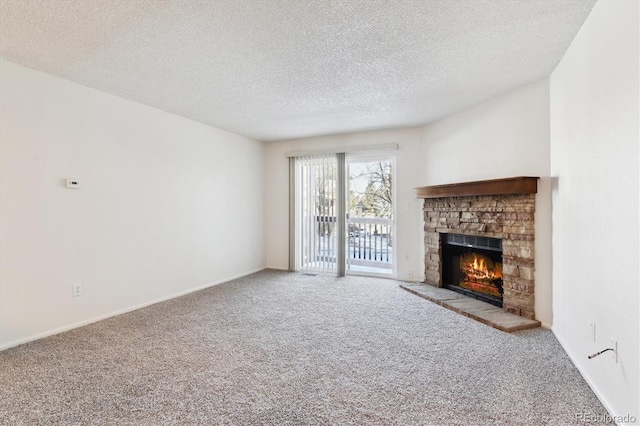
(481, 274)
(473, 266)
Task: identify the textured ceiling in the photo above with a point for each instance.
(278, 69)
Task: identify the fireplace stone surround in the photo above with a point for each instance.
(501, 208)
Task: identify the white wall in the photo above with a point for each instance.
(594, 164)
(505, 137)
(408, 209)
(167, 205)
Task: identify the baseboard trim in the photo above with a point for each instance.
(278, 268)
(122, 311)
(594, 388)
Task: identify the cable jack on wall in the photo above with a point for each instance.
(614, 350)
(600, 353)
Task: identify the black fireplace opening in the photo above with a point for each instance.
(473, 266)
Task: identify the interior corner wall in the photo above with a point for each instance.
(408, 209)
(595, 109)
(166, 205)
(505, 137)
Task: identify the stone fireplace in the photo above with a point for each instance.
(495, 212)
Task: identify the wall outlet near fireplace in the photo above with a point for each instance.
(76, 290)
(593, 331)
(614, 345)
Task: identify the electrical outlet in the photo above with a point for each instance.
(614, 345)
(593, 331)
(72, 183)
(406, 257)
(77, 290)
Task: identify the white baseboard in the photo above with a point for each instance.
(594, 388)
(278, 268)
(121, 311)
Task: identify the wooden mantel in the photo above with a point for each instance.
(514, 185)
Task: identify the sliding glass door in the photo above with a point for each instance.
(370, 215)
(342, 215)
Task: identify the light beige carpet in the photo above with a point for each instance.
(282, 348)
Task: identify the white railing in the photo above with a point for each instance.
(370, 242)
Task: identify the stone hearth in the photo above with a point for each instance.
(508, 215)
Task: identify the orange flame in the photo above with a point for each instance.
(479, 272)
(478, 268)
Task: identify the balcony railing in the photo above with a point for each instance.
(369, 246)
(370, 242)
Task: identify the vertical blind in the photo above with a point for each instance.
(317, 202)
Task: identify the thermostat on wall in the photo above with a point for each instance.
(73, 183)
